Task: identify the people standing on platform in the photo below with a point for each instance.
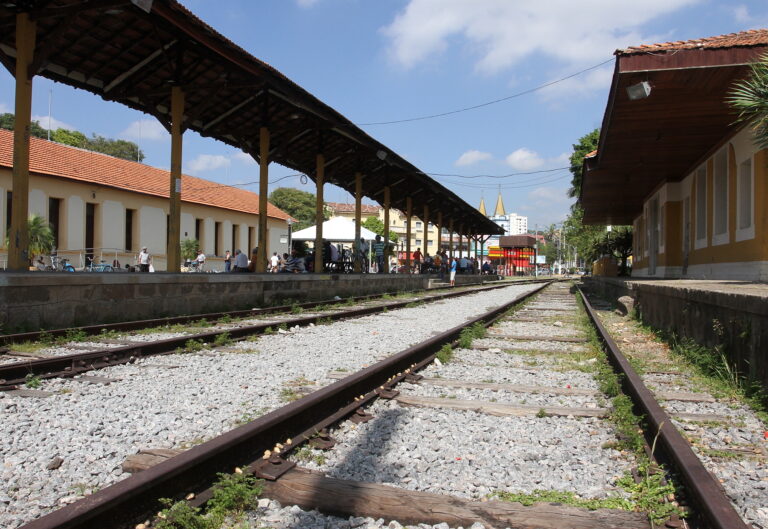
(417, 260)
(241, 262)
(144, 259)
(453, 272)
(227, 261)
(378, 251)
(274, 263)
(200, 261)
(361, 252)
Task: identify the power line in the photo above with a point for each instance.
(488, 103)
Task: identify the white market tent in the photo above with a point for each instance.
(337, 229)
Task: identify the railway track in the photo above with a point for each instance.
(118, 343)
(515, 415)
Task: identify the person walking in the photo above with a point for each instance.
(227, 261)
(417, 260)
(453, 272)
(200, 260)
(274, 262)
(378, 251)
(144, 259)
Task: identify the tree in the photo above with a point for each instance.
(298, 204)
(749, 97)
(377, 227)
(586, 145)
(189, 248)
(40, 237)
(127, 150)
(8, 120)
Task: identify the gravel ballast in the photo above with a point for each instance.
(179, 400)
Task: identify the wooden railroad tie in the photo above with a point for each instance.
(499, 409)
(311, 490)
(529, 338)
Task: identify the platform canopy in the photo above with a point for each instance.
(337, 229)
(663, 136)
(134, 51)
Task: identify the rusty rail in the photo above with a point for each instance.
(125, 502)
(14, 374)
(709, 497)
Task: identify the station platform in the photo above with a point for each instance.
(728, 314)
(40, 300)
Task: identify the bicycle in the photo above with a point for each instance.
(59, 265)
(102, 266)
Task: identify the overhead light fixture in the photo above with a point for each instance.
(640, 90)
(381, 155)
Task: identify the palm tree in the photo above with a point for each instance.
(40, 236)
(749, 97)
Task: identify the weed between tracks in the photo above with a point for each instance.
(233, 494)
(471, 333)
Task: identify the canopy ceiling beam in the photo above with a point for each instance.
(86, 5)
(231, 111)
(138, 67)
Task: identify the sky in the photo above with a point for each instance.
(548, 64)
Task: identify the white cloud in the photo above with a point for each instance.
(145, 129)
(579, 86)
(4, 108)
(524, 159)
(54, 123)
(244, 157)
(562, 160)
(208, 162)
(500, 33)
(741, 14)
(306, 3)
(471, 157)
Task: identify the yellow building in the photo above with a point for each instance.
(672, 163)
(108, 208)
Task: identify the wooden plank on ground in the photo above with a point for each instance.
(702, 417)
(346, 498)
(32, 393)
(147, 458)
(685, 397)
(499, 409)
(95, 379)
(529, 338)
(517, 388)
(32, 356)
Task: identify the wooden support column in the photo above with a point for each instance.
(426, 231)
(173, 248)
(408, 215)
(450, 239)
(439, 226)
(18, 247)
(387, 205)
(319, 180)
(263, 245)
(461, 240)
(358, 220)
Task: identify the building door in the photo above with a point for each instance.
(686, 232)
(653, 239)
(90, 231)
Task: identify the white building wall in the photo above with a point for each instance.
(187, 226)
(242, 243)
(113, 224)
(74, 210)
(152, 229)
(38, 203)
(226, 239)
(209, 227)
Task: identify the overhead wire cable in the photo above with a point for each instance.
(487, 103)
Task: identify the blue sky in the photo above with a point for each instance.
(387, 60)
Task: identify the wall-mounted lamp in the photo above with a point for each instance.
(640, 90)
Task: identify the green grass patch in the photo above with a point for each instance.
(306, 454)
(566, 498)
(445, 354)
(33, 381)
(222, 340)
(471, 333)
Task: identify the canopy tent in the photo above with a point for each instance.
(337, 229)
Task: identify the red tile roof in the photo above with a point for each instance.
(339, 207)
(753, 37)
(54, 159)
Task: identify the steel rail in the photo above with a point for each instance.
(709, 496)
(91, 330)
(132, 499)
(13, 374)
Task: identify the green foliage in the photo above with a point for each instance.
(222, 340)
(40, 236)
(586, 144)
(445, 354)
(566, 498)
(377, 226)
(193, 346)
(181, 515)
(32, 381)
(541, 413)
(189, 248)
(307, 454)
(749, 97)
(650, 494)
(471, 333)
(298, 204)
(296, 309)
(127, 150)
